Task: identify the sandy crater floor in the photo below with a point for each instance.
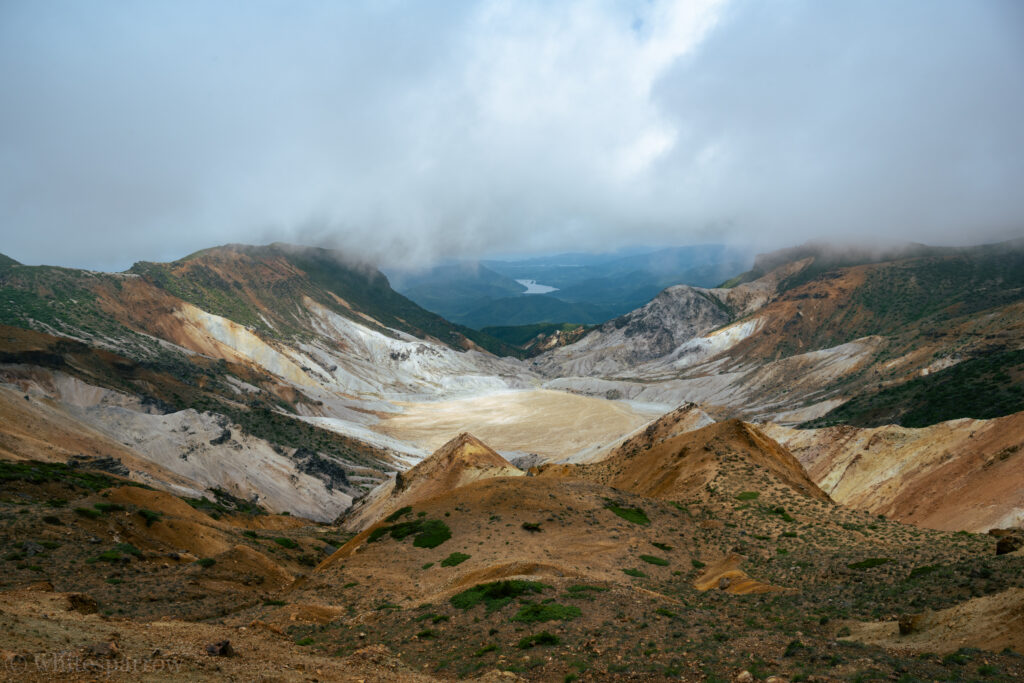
(553, 424)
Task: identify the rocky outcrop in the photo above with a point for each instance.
(675, 316)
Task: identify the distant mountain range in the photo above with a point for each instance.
(590, 288)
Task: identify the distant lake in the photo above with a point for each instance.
(533, 288)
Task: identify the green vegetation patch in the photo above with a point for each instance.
(634, 572)
(427, 533)
(542, 638)
(651, 559)
(982, 388)
(634, 515)
(107, 556)
(917, 572)
(583, 591)
(870, 562)
(398, 514)
(546, 611)
(150, 516)
(520, 335)
(748, 495)
(286, 543)
(34, 472)
(129, 549)
(495, 595)
(454, 559)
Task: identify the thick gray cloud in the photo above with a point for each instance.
(409, 131)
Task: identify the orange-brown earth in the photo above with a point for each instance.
(964, 474)
(606, 570)
(691, 463)
(462, 460)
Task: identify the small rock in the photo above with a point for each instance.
(724, 583)
(104, 650)
(79, 602)
(1009, 544)
(744, 677)
(222, 648)
(31, 548)
(909, 623)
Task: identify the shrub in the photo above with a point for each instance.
(128, 548)
(88, 513)
(401, 512)
(869, 563)
(634, 515)
(781, 512)
(634, 572)
(747, 495)
(532, 526)
(491, 647)
(651, 559)
(304, 641)
(286, 543)
(547, 611)
(922, 571)
(662, 546)
(960, 657)
(697, 564)
(495, 595)
(206, 562)
(434, 533)
(107, 556)
(454, 559)
(249, 533)
(108, 507)
(149, 516)
(542, 638)
(428, 533)
(583, 591)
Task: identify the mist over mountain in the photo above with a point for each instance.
(415, 135)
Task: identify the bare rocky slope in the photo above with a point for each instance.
(962, 474)
(259, 371)
(810, 329)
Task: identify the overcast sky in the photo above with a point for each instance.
(411, 131)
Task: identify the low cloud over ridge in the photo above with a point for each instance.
(405, 132)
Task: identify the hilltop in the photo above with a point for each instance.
(462, 460)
